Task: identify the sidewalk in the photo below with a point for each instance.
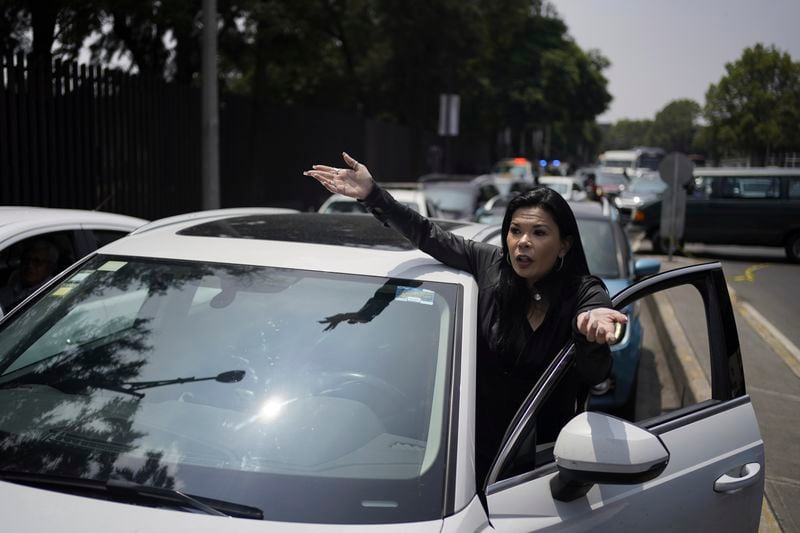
(681, 327)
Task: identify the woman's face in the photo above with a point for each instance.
(534, 243)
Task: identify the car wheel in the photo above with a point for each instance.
(793, 248)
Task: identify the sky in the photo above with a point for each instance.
(662, 50)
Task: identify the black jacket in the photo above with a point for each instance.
(504, 379)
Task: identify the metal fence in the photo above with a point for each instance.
(78, 136)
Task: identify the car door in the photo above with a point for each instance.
(714, 475)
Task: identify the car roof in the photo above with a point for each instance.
(357, 244)
(15, 220)
(746, 171)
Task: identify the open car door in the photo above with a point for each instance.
(699, 467)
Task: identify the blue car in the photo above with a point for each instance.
(609, 254)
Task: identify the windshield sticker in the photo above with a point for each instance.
(112, 266)
(82, 275)
(414, 294)
(62, 291)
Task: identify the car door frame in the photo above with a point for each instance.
(728, 393)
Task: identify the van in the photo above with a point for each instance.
(633, 162)
(744, 206)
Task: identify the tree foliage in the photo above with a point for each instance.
(675, 126)
(626, 133)
(755, 107)
(512, 61)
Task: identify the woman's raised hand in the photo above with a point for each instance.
(600, 325)
(354, 181)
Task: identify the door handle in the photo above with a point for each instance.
(748, 475)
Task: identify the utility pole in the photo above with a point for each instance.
(210, 111)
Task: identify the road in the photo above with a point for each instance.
(767, 305)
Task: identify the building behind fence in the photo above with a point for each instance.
(82, 137)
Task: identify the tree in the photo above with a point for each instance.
(755, 108)
(675, 126)
(627, 133)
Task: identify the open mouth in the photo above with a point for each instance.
(523, 260)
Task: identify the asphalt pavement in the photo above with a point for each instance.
(771, 361)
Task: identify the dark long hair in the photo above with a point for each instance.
(513, 296)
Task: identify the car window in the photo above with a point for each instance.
(644, 386)
(752, 187)
(345, 207)
(601, 247)
(18, 278)
(794, 187)
(241, 383)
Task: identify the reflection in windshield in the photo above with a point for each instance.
(220, 381)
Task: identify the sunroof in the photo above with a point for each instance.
(361, 231)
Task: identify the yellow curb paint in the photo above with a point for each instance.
(749, 271)
(768, 523)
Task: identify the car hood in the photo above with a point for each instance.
(38, 511)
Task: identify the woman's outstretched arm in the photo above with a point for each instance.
(452, 250)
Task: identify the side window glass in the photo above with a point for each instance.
(752, 187)
(27, 264)
(661, 366)
(794, 188)
(705, 187)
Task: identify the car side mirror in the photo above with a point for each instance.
(646, 267)
(596, 448)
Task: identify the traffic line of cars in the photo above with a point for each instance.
(298, 371)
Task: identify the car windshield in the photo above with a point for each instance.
(641, 186)
(560, 187)
(600, 246)
(615, 163)
(611, 179)
(455, 198)
(345, 206)
(314, 397)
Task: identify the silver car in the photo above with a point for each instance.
(306, 372)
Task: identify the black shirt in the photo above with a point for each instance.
(505, 379)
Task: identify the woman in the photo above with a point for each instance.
(534, 295)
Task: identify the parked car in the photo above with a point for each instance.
(609, 255)
(68, 233)
(509, 171)
(317, 373)
(744, 206)
(642, 191)
(571, 188)
(458, 197)
(415, 199)
(611, 185)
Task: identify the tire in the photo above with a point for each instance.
(793, 247)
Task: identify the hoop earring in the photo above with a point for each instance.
(561, 264)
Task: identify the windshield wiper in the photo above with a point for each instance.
(128, 489)
(72, 385)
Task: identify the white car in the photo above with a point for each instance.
(301, 372)
(568, 187)
(74, 233)
(413, 198)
